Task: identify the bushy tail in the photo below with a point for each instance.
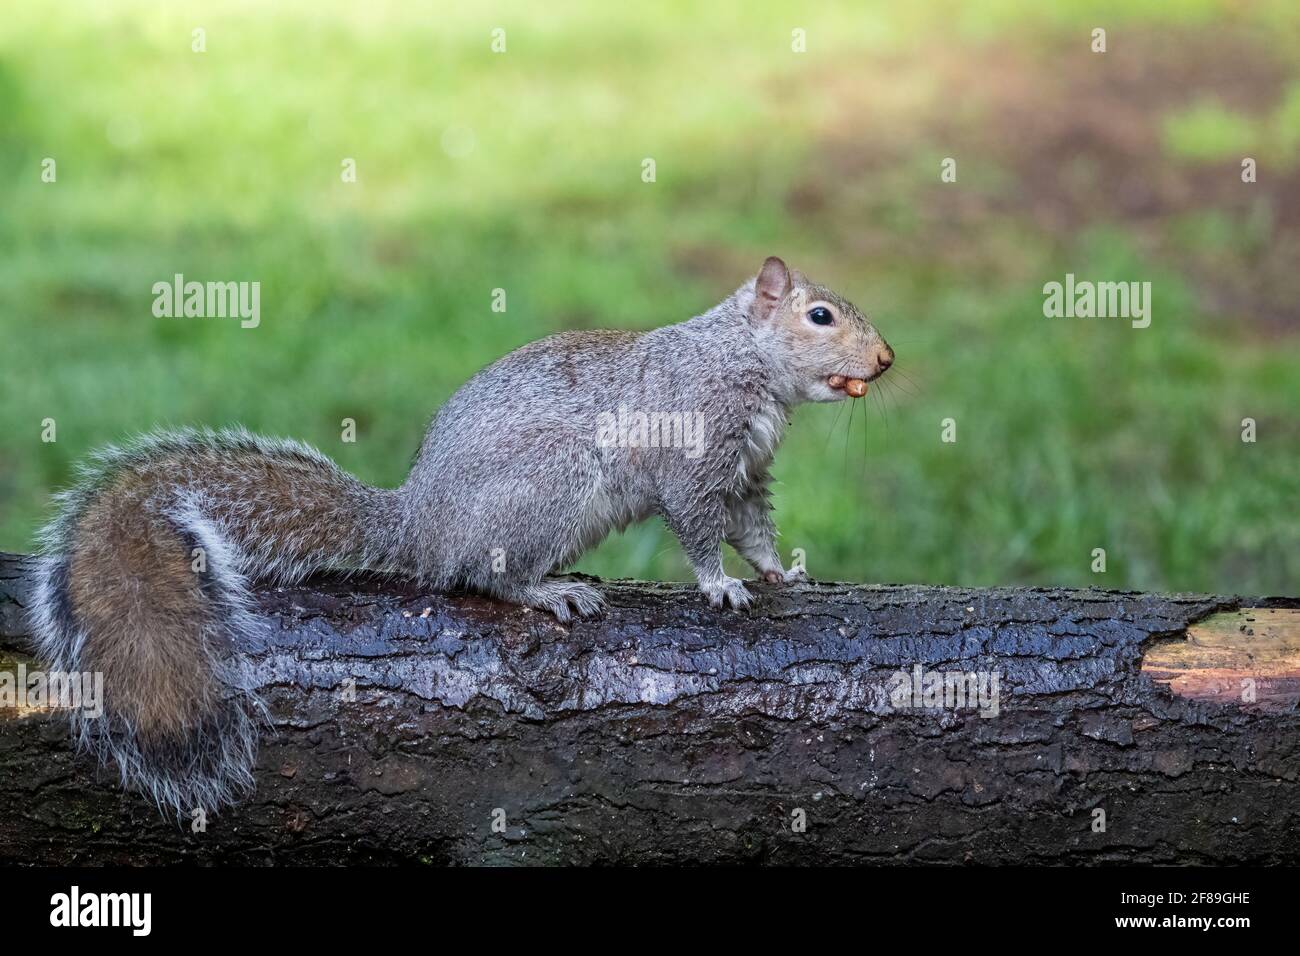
(150, 602)
(143, 581)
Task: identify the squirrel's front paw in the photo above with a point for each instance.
(793, 576)
(726, 591)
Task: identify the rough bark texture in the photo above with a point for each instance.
(669, 732)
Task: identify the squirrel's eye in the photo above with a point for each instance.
(820, 316)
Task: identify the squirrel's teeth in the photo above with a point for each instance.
(836, 381)
(856, 387)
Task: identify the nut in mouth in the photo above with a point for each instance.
(854, 387)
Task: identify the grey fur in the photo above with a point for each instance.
(511, 484)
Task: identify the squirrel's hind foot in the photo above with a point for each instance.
(564, 599)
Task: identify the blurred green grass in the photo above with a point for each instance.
(375, 295)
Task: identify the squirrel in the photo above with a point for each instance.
(146, 571)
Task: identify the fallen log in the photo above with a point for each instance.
(1099, 727)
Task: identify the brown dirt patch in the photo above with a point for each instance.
(1052, 139)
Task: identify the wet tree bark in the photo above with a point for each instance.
(411, 727)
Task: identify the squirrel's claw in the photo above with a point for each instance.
(793, 576)
(728, 591)
(564, 599)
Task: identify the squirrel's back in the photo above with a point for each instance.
(144, 580)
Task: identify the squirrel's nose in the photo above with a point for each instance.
(884, 356)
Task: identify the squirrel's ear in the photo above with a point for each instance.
(771, 286)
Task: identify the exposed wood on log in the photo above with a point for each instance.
(1250, 657)
(670, 732)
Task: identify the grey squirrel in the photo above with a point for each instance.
(146, 570)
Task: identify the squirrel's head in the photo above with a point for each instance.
(814, 334)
